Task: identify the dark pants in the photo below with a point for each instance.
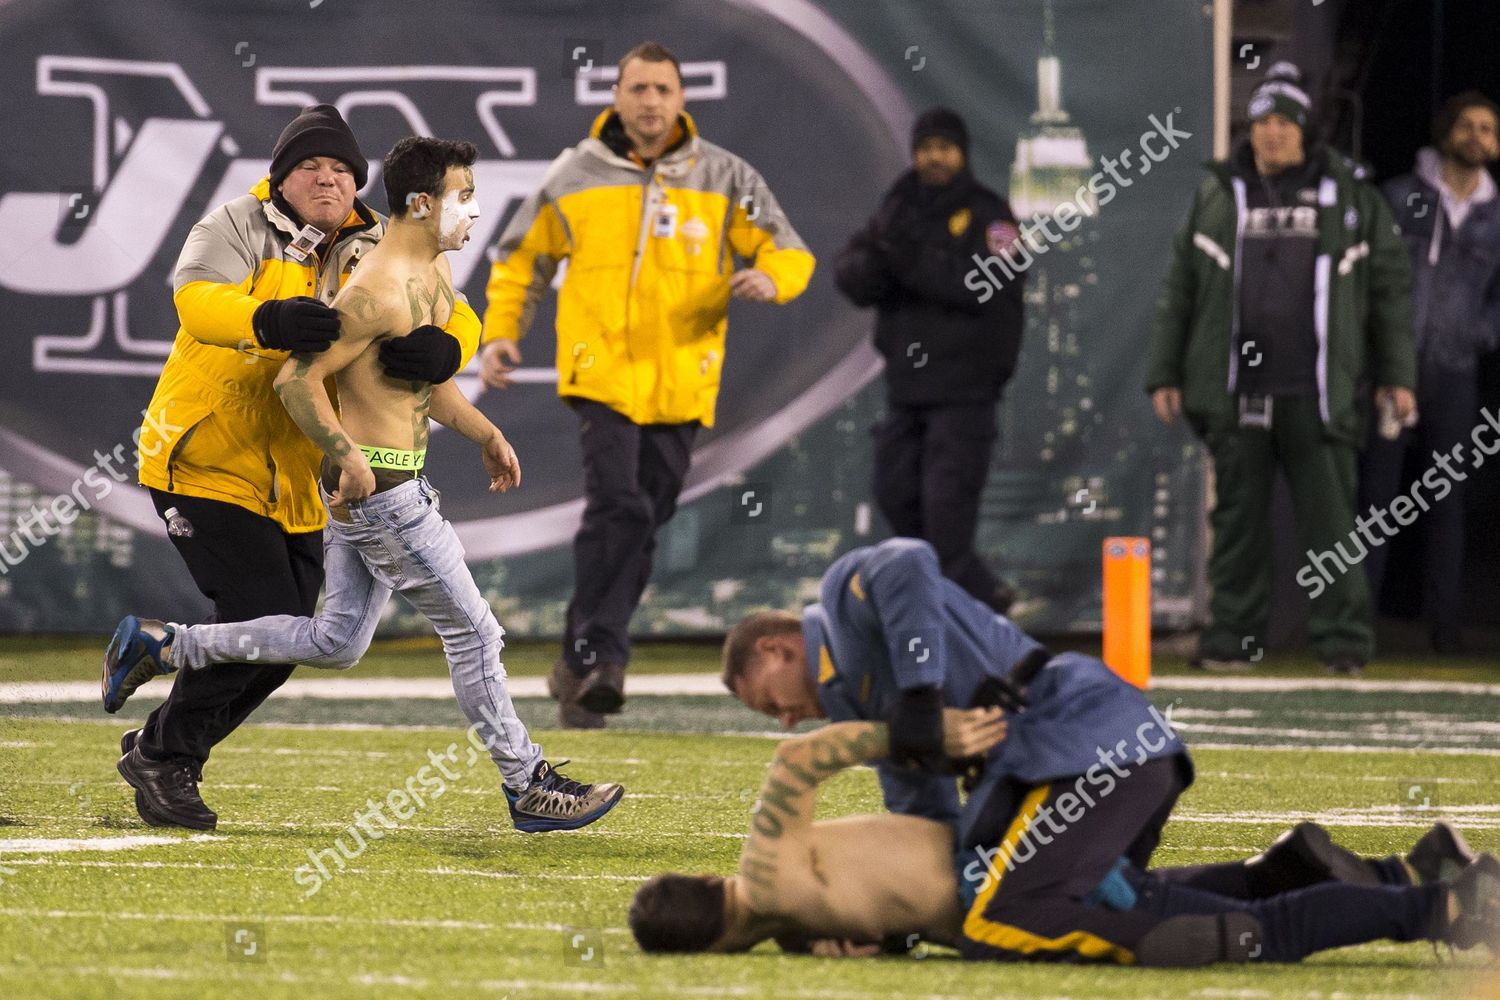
(1036, 904)
(1244, 880)
(1296, 924)
(249, 567)
(1032, 903)
(1448, 406)
(632, 475)
(1321, 473)
(930, 466)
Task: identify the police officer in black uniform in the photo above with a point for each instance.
(947, 354)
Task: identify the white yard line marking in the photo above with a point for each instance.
(1466, 817)
(42, 845)
(354, 687)
(452, 986)
(1343, 748)
(1277, 684)
(232, 825)
(378, 872)
(289, 918)
(379, 688)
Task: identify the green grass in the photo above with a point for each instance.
(456, 903)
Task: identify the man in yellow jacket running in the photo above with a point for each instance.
(650, 218)
(228, 470)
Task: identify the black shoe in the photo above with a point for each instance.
(142, 807)
(1305, 855)
(1440, 854)
(562, 685)
(1001, 598)
(1344, 666)
(1477, 889)
(603, 689)
(168, 790)
(1448, 643)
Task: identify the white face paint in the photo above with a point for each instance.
(456, 220)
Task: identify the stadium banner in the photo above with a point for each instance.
(126, 123)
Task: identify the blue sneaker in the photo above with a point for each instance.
(134, 657)
(554, 802)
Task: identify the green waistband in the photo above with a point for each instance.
(400, 459)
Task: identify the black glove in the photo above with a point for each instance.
(916, 731)
(301, 324)
(427, 354)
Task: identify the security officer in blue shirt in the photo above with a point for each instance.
(1079, 790)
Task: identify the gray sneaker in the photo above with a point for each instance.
(555, 802)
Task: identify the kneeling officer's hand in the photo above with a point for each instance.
(972, 732)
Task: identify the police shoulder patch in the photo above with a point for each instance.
(826, 672)
(958, 222)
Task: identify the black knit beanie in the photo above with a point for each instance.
(1282, 93)
(941, 122)
(318, 131)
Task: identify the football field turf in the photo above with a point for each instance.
(454, 902)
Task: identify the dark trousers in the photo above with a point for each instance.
(1321, 473)
(1448, 407)
(1296, 924)
(249, 567)
(1032, 903)
(930, 466)
(1036, 905)
(632, 475)
(1242, 880)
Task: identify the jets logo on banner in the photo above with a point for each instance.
(120, 150)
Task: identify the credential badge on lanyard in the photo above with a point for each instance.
(664, 223)
(300, 247)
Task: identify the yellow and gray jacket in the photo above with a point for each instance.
(642, 311)
(215, 427)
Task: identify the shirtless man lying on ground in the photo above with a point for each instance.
(889, 877)
(384, 532)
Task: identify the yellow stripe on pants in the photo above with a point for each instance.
(1012, 938)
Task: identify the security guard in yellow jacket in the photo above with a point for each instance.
(229, 471)
(650, 217)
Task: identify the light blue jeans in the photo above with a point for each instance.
(396, 541)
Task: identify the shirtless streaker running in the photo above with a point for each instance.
(873, 879)
(385, 533)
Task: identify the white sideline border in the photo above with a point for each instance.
(354, 688)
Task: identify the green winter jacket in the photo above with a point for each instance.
(1362, 310)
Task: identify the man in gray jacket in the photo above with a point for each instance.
(1450, 218)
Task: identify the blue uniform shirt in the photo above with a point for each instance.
(889, 621)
